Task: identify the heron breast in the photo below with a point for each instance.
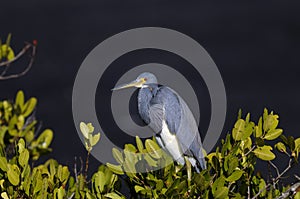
(171, 143)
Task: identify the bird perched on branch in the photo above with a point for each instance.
(170, 118)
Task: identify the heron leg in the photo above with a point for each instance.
(189, 170)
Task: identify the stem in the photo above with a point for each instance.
(244, 155)
(87, 165)
(275, 167)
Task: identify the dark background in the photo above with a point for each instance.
(255, 46)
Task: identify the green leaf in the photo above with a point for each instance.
(21, 145)
(221, 193)
(150, 160)
(239, 114)
(297, 146)
(26, 171)
(258, 128)
(129, 164)
(264, 153)
(7, 52)
(95, 139)
(113, 195)
(20, 99)
(3, 164)
(130, 148)
(246, 144)
(84, 130)
(153, 149)
(233, 163)
(117, 169)
(139, 143)
(24, 157)
(45, 139)
(4, 195)
(238, 129)
(297, 143)
(217, 184)
(13, 174)
(262, 186)
(29, 106)
(37, 180)
(280, 147)
(159, 185)
(8, 39)
(60, 193)
(138, 188)
(20, 122)
(247, 118)
(100, 181)
(63, 173)
(242, 129)
(53, 164)
(265, 114)
(297, 196)
(291, 142)
(236, 175)
(90, 127)
(118, 155)
(273, 134)
(270, 122)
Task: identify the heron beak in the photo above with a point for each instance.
(135, 83)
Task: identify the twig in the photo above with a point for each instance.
(291, 191)
(275, 167)
(87, 165)
(248, 152)
(81, 165)
(71, 196)
(25, 49)
(75, 169)
(249, 193)
(275, 181)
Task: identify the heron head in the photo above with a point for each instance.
(141, 81)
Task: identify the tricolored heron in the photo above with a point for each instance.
(170, 118)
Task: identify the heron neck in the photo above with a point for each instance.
(144, 97)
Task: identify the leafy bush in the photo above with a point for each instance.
(231, 169)
(230, 173)
(20, 147)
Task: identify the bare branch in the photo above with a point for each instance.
(29, 47)
(275, 167)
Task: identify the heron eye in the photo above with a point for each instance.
(145, 79)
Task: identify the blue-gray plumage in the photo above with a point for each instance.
(170, 118)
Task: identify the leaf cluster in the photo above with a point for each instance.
(21, 146)
(231, 169)
(147, 169)
(6, 52)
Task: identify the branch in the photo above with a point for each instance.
(275, 181)
(26, 48)
(291, 191)
(275, 167)
(87, 165)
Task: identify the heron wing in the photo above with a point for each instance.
(169, 104)
(189, 134)
(156, 115)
